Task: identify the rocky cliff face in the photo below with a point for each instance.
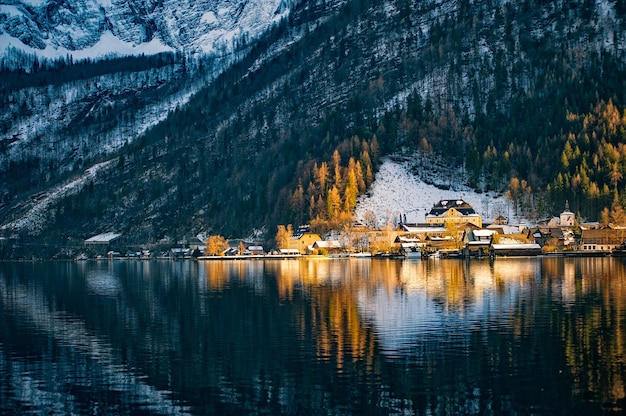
(67, 27)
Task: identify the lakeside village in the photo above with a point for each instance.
(453, 229)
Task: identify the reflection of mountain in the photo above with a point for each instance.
(103, 282)
(39, 379)
(282, 337)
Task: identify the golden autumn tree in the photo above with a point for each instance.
(351, 190)
(360, 178)
(320, 174)
(336, 161)
(283, 234)
(617, 216)
(333, 202)
(216, 245)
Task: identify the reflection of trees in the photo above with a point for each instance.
(543, 321)
(508, 300)
(286, 336)
(591, 326)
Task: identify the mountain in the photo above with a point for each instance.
(82, 78)
(93, 28)
(176, 144)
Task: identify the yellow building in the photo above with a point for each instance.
(302, 240)
(453, 212)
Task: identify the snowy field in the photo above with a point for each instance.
(396, 191)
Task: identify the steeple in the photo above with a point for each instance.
(567, 217)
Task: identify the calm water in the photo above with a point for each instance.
(541, 336)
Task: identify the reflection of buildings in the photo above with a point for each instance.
(436, 297)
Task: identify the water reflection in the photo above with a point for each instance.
(359, 336)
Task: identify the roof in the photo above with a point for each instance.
(301, 233)
(506, 229)
(407, 239)
(103, 238)
(532, 246)
(327, 244)
(604, 233)
(196, 241)
(555, 232)
(303, 229)
(422, 228)
(444, 205)
(484, 233)
(479, 243)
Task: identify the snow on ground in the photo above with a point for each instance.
(108, 45)
(396, 191)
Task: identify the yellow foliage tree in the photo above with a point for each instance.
(617, 216)
(351, 191)
(216, 245)
(283, 235)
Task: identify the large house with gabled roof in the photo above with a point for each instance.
(302, 240)
(449, 212)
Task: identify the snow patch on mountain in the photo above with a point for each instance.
(397, 192)
(108, 45)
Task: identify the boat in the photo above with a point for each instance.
(413, 253)
(361, 254)
(434, 255)
(450, 254)
(619, 251)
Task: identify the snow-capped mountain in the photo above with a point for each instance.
(67, 116)
(94, 28)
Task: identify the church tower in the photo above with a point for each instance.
(567, 217)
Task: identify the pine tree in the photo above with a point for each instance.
(513, 193)
(605, 217)
(297, 204)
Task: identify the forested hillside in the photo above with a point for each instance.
(526, 96)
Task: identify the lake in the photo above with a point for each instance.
(520, 336)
